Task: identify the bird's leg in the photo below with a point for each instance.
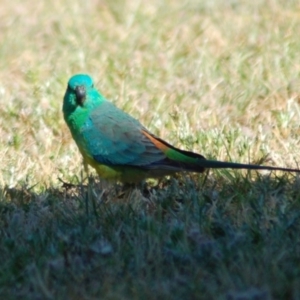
(127, 190)
(128, 186)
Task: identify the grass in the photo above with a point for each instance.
(217, 77)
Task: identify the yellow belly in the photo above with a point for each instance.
(118, 173)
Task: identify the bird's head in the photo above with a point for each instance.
(80, 94)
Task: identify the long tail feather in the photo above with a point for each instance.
(199, 163)
(181, 160)
(214, 164)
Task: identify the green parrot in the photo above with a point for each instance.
(119, 147)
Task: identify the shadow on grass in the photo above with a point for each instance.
(225, 236)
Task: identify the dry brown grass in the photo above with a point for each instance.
(188, 71)
(218, 77)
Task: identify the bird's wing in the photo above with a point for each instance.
(113, 137)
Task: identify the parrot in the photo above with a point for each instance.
(119, 147)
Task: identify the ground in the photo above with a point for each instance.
(220, 78)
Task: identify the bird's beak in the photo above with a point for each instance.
(80, 93)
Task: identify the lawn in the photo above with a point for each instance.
(220, 78)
